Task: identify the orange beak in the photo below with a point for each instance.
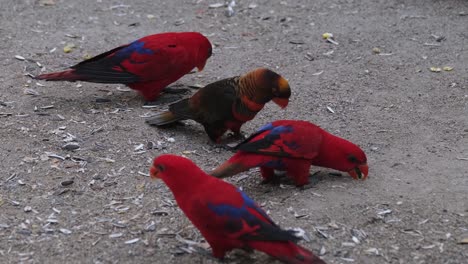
(154, 173)
(282, 102)
(283, 93)
(201, 66)
(360, 172)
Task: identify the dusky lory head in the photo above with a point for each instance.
(180, 174)
(343, 155)
(202, 46)
(263, 85)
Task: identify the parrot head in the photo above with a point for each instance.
(204, 54)
(343, 155)
(271, 86)
(281, 92)
(177, 172)
(155, 171)
(199, 46)
(164, 165)
(205, 51)
(358, 163)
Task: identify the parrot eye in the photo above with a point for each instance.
(275, 90)
(353, 159)
(160, 167)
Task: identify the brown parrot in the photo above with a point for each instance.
(229, 103)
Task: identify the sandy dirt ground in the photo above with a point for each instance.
(95, 204)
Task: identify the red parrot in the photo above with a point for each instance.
(293, 146)
(147, 65)
(229, 103)
(226, 216)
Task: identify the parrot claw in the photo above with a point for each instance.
(307, 186)
(275, 180)
(233, 139)
(278, 178)
(209, 255)
(163, 100)
(314, 179)
(227, 147)
(238, 135)
(244, 255)
(205, 252)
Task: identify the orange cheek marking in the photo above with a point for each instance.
(283, 84)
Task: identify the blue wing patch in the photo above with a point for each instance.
(281, 129)
(239, 216)
(272, 134)
(238, 213)
(136, 46)
(251, 204)
(266, 127)
(275, 130)
(292, 144)
(274, 164)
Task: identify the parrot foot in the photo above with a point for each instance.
(205, 252)
(314, 179)
(278, 178)
(238, 135)
(248, 249)
(213, 258)
(244, 255)
(275, 180)
(170, 90)
(233, 139)
(163, 100)
(228, 147)
(307, 186)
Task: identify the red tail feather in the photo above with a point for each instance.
(241, 161)
(228, 169)
(287, 252)
(68, 75)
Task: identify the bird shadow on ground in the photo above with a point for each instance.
(107, 96)
(195, 132)
(170, 95)
(282, 181)
(235, 256)
(314, 178)
(186, 129)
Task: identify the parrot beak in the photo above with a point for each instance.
(282, 102)
(201, 66)
(154, 173)
(282, 93)
(360, 172)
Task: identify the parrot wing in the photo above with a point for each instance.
(140, 61)
(232, 213)
(284, 139)
(214, 102)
